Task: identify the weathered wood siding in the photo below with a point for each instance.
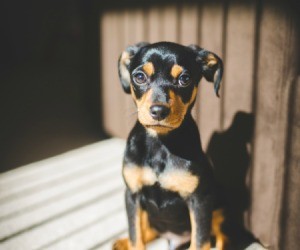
(259, 43)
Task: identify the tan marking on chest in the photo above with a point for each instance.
(137, 177)
(180, 181)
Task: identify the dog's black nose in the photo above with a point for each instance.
(159, 112)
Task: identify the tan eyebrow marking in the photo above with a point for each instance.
(176, 70)
(148, 68)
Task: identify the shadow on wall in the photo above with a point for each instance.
(231, 160)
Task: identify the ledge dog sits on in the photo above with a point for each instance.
(169, 180)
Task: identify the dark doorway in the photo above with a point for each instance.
(50, 94)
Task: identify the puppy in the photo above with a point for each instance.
(169, 182)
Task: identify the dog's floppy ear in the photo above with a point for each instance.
(124, 64)
(211, 66)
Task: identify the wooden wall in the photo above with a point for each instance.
(259, 43)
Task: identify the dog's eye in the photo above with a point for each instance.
(184, 80)
(140, 78)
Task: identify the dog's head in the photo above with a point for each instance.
(163, 80)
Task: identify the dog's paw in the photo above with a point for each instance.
(121, 244)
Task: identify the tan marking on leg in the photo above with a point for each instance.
(121, 244)
(205, 246)
(139, 244)
(193, 245)
(180, 181)
(143, 232)
(217, 221)
(148, 233)
(176, 71)
(148, 68)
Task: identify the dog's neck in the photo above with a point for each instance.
(183, 141)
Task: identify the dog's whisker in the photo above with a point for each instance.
(132, 114)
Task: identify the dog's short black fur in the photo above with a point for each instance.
(170, 186)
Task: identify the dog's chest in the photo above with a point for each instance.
(175, 179)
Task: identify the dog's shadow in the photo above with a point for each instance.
(231, 159)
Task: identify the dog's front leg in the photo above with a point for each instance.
(200, 209)
(134, 215)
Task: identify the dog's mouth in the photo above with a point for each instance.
(159, 128)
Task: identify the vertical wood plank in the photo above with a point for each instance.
(111, 91)
(154, 27)
(289, 234)
(239, 68)
(273, 89)
(208, 104)
(188, 27)
(134, 32)
(169, 23)
(188, 24)
(238, 73)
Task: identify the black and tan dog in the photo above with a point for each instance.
(170, 186)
